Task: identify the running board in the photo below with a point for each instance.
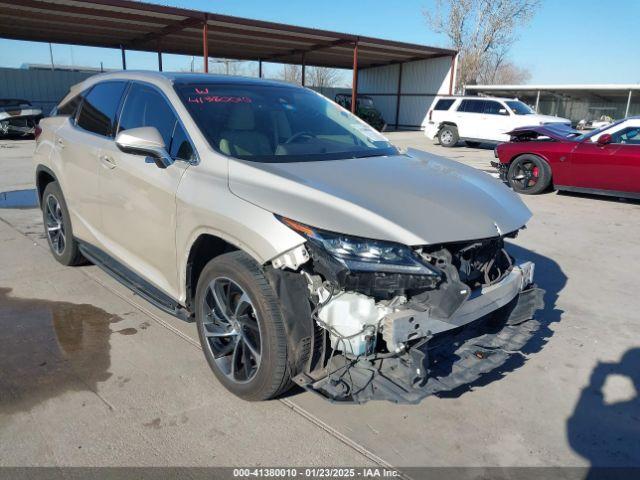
(134, 282)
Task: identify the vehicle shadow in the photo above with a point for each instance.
(530, 338)
(603, 198)
(607, 433)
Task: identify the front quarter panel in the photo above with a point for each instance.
(556, 154)
(205, 205)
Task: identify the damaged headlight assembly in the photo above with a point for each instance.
(364, 255)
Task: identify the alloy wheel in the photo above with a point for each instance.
(526, 175)
(55, 224)
(232, 330)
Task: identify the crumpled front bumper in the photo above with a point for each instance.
(502, 169)
(491, 326)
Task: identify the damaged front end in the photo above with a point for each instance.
(384, 316)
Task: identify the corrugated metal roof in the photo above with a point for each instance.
(148, 27)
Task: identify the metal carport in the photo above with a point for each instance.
(130, 25)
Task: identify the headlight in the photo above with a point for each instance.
(364, 255)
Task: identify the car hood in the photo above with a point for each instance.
(556, 131)
(541, 119)
(414, 199)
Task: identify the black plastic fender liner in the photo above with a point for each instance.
(293, 292)
(435, 365)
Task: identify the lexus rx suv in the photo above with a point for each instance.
(305, 246)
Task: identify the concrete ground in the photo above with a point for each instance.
(91, 375)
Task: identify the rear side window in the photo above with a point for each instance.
(146, 107)
(98, 111)
(471, 106)
(492, 108)
(69, 108)
(444, 104)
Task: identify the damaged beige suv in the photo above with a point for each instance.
(305, 246)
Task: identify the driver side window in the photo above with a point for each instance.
(627, 136)
(146, 107)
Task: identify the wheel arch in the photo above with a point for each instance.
(204, 248)
(44, 176)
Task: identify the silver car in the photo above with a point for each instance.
(304, 245)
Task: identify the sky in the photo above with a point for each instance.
(568, 41)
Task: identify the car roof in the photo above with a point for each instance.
(475, 97)
(179, 78)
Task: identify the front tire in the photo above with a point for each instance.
(529, 175)
(57, 227)
(241, 327)
(448, 136)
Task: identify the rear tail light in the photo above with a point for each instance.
(37, 132)
(430, 114)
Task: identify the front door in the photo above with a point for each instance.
(138, 199)
(614, 166)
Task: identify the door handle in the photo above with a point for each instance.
(60, 142)
(107, 161)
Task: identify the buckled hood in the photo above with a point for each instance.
(414, 199)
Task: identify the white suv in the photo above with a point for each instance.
(480, 119)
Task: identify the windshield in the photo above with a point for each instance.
(365, 102)
(279, 124)
(520, 108)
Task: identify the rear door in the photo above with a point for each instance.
(77, 149)
(468, 118)
(614, 167)
(138, 198)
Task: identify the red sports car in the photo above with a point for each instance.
(605, 161)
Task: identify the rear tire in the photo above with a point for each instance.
(245, 343)
(529, 175)
(448, 136)
(57, 227)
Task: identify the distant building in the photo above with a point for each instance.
(577, 102)
(63, 68)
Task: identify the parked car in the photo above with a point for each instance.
(605, 161)
(365, 109)
(480, 119)
(303, 244)
(18, 117)
(603, 121)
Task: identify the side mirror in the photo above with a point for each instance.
(145, 141)
(503, 111)
(604, 139)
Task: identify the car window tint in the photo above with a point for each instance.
(444, 104)
(471, 106)
(181, 147)
(98, 111)
(68, 108)
(492, 108)
(146, 107)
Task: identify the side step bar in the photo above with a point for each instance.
(134, 282)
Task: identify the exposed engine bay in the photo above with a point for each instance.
(376, 332)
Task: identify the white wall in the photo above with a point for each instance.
(424, 79)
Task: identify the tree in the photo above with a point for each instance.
(226, 66)
(322, 77)
(291, 73)
(482, 31)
